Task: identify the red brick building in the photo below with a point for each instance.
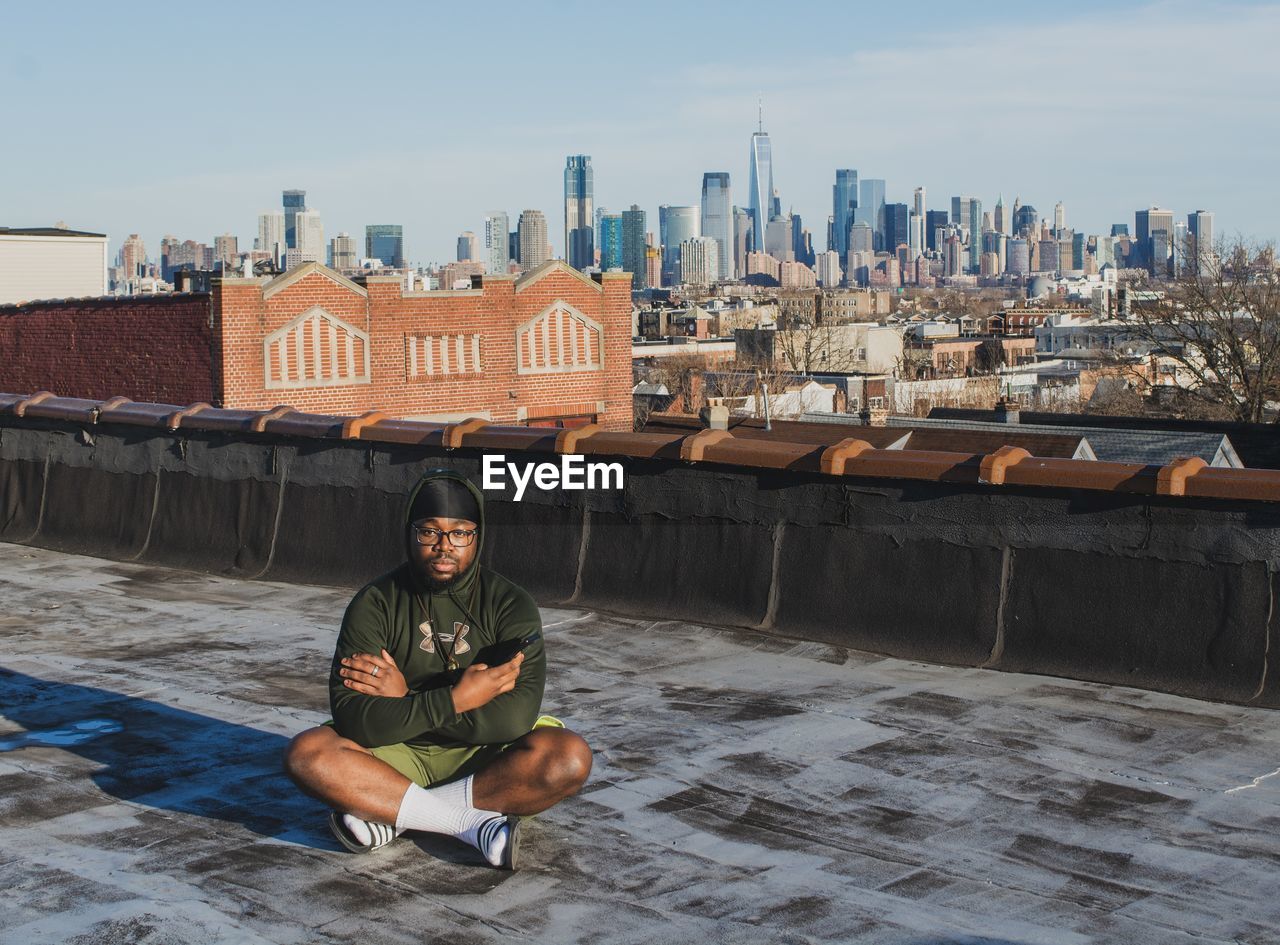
(551, 347)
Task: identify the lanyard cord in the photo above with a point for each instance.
(450, 662)
(466, 611)
(447, 658)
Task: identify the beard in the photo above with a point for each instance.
(437, 582)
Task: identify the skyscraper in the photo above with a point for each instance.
(1001, 219)
(597, 233)
(741, 240)
(633, 246)
(916, 222)
(801, 241)
(717, 218)
(975, 234)
(1059, 217)
(1160, 245)
(778, 240)
(698, 263)
(295, 202)
(1105, 251)
(309, 236)
(1026, 222)
(871, 208)
(1154, 249)
(497, 245)
(1048, 257)
(652, 262)
(468, 247)
(271, 235)
(862, 239)
(385, 241)
(1200, 236)
(844, 201)
(895, 226)
(579, 190)
(133, 256)
(1181, 235)
(828, 269)
(611, 241)
(342, 252)
(760, 181)
(225, 251)
(533, 239)
(675, 225)
(1018, 256)
(934, 221)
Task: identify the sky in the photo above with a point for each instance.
(147, 118)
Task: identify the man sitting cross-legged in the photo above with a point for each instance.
(435, 722)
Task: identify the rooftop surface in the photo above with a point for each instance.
(1110, 445)
(746, 789)
(46, 231)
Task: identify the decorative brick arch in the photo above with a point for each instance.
(559, 339)
(316, 349)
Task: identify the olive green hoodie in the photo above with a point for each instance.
(479, 609)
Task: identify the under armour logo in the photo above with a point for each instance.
(458, 638)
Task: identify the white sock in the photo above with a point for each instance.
(448, 809)
(360, 829)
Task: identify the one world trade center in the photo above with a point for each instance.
(760, 198)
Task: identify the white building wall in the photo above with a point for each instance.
(52, 267)
(884, 350)
(310, 238)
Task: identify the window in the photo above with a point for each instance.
(441, 355)
(559, 339)
(316, 349)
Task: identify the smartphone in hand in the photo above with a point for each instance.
(505, 650)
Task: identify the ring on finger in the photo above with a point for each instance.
(375, 671)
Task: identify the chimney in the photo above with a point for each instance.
(715, 416)
(874, 416)
(1006, 411)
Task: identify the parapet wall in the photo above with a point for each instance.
(1156, 577)
(146, 348)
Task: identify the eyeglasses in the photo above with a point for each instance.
(458, 537)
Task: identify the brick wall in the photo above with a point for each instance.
(247, 314)
(150, 349)
(322, 344)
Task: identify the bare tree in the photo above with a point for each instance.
(914, 365)
(1217, 327)
(682, 376)
(989, 356)
(1114, 396)
(804, 348)
(744, 387)
(815, 349)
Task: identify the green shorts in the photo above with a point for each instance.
(426, 764)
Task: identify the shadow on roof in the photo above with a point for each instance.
(159, 756)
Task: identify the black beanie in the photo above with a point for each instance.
(444, 498)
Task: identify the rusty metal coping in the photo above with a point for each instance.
(1007, 465)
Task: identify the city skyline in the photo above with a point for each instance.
(1135, 131)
